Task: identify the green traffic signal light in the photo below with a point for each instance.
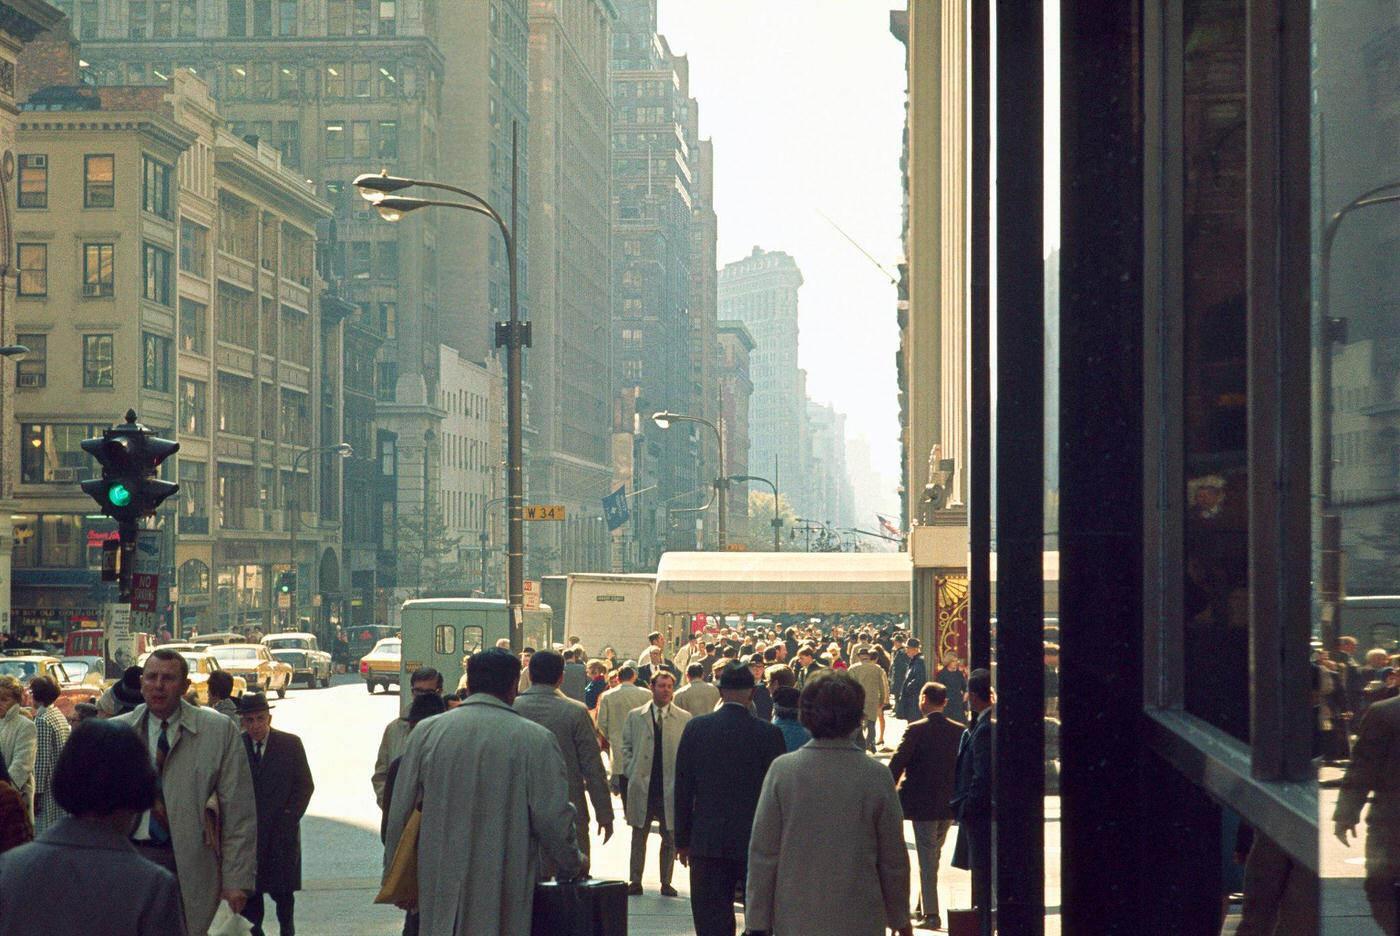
(119, 495)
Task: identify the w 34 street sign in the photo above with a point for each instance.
(544, 511)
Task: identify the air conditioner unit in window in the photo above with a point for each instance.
(31, 380)
(38, 161)
(61, 475)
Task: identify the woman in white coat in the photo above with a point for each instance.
(18, 739)
(827, 854)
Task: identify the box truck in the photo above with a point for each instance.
(604, 610)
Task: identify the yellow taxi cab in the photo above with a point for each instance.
(202, 663)
(380, 667)
(262, 671)
(71, 689)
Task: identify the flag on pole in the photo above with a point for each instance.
(888, 526)
(615, 508)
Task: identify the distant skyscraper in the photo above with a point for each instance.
(760, 291)
(570, 364)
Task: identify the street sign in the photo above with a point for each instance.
(544, 511)
(615, 508)
(531, 592)
(145, 574)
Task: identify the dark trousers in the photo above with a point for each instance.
(286, 904)
(980, 853)
(712, 885)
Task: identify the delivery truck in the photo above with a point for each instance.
(604, 610)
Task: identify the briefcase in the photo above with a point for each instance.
(580, 908)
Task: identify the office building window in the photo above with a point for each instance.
(236, 82)
(337, 17)
(362, 16)
(136, 20)
(388, 316)
(359, 139)
(388, 139)
(97, 361)
(236, 404)
(263, 84)
(262, 17)
(387, 14)
(289, 142)
(87, 19)
(99, 181)
(194, 407)
(238, 18)
(335, 139)
(51, 453)
(155, 369)
(386, 381)
(286, 17)
(194, 518)
(33, 369)
(33, 269)
(335, 80)
(288, 83)
(359, 79)
(155, 187)
(98, 270)
(359, 259)
(188, 22)
(389, 79)
(388, 265)
(34, 180)
(194, 326)
(163, 19)
(194, 247)
(236, 317)
(155, 273)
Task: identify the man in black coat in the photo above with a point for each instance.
(906, 697)
(720, 765)
(972, 797)
(924, 769)
(282, 784)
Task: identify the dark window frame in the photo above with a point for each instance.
(99, 367)
(96, 192)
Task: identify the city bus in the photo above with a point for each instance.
(440, 632)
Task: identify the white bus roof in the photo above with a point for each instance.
(459, 604)
(783, 583)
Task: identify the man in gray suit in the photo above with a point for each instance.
(545, 704)
(1375, 769)
(575, 680)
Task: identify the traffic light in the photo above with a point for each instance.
(129, 455)
(286, 583)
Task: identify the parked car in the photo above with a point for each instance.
(71, 691)
(220, 638)
(256, 665)
(300, 651)
(179, 646)
(202, 663)
(380, 667)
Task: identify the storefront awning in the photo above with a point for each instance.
(783, 583)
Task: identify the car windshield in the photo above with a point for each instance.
(288, 643)
(23, 670)
(229, 654)
(76, 669)
(388, 647)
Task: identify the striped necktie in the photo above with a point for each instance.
(160, 822)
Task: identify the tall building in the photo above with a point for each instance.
(760, 291)
(828, 492)
(22, 22)
(570, 361)
(168, 266)
(466, 479)
(339, 88)
(732, 376)
(653, 207)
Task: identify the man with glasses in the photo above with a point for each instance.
(425, 681)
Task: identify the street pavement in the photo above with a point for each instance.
(342, 856)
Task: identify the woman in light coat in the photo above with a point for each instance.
(827, 854)
(18, 740)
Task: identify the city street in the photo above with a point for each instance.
(342, 856)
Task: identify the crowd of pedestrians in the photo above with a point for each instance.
(744, 756)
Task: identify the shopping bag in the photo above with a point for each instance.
(228, 923)
(401, 881)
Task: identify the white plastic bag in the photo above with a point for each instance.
(228, 923)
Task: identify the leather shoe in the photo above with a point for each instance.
(634, 889)
(668, 891)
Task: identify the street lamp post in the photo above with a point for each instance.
(663, 420)
(344, 450)
(514, 335)
(777, 521)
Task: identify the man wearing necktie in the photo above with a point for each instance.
(282, 786)
(198, 759)
(972, 800)
(650, 738)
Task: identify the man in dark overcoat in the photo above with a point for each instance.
(282, 786)
(972, 795)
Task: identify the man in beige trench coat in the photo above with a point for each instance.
(649, 766)
(200, 757)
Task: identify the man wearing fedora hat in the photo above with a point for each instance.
(123, 695)
(282, 787)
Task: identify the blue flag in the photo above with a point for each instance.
(615, 508)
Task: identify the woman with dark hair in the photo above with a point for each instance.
(51, 730)
(15, 827)
(798, 883)
(104, 780)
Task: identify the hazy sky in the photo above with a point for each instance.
(804, 100)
